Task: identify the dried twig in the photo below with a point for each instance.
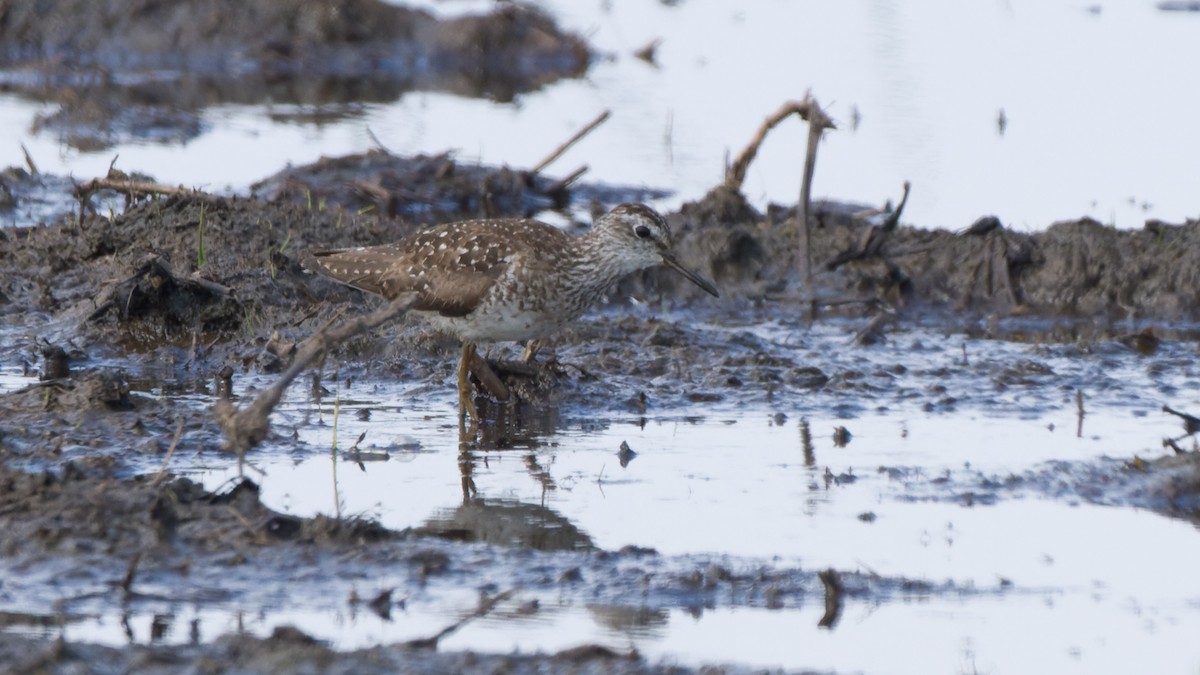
(488, 378)
(871, 243)
(1004, 271)
(1173, 443)
(568, 143)
(485, 607)
(162, 471)
(374, 191)
(130, 574)
(378, 143)
(130, 188)
(29, 160)
(648, 52)
(833, 597)
(1191, 423)
(562, 184)
(735, 175)
(893, 218)
(873, 333)
(1079, 412)
(254, 532)
(246, 428)
(818, 121)
(159, 270)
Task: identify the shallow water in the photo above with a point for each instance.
(1094, 589)
(1099, 114)
(961, 464)
(1093, 628)
(979, 494)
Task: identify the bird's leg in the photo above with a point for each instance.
(531, 349)
(466, 399)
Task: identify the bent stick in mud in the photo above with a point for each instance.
(131, 187)
(818, 121)
(247, 427)
(566, 145)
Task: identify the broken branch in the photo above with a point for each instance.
(561, 185)
(246, 428)
(735, 175)
(130, 188)
(833, 597)
(872, 241)
(486, 605)
(818, 121)
(568, 143)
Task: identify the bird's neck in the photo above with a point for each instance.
(596, 265)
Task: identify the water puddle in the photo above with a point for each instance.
(957, 466)
(1096, 590)
(898, 82)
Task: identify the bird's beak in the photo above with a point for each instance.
(670, 261)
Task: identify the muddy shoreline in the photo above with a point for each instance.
(113, 306)
(151, 546)
(130, 307)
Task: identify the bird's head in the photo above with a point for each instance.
(645, 241)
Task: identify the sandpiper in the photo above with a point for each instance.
(507, 279)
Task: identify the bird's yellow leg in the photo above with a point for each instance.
(466, 401)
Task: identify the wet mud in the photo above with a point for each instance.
(198, 297)
(106, 63)
(154, 542)
(200, 294)
(186, 286)
(1072, 270)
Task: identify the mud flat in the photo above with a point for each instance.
(199, 296)
(132, 536)
(151, 543)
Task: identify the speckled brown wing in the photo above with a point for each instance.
(451, 266)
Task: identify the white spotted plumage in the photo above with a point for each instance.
(508, 279)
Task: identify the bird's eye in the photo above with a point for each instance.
(642, 232)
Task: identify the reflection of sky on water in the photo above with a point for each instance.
(1094, 588)
(1099, 109)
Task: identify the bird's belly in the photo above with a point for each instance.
(500, 323)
